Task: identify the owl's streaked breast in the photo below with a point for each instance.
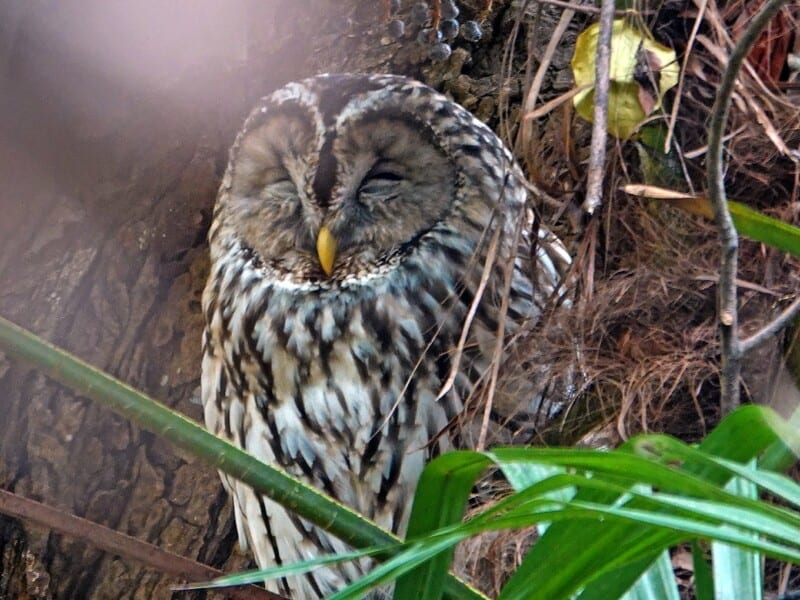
(337, 372)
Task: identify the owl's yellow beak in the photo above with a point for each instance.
(326, 249)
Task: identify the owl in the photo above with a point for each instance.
(365, 235)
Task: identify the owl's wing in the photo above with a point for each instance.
(550, 267)
(544, 260)
(221, 416)
(528, 392)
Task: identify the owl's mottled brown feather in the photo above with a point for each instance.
(335, 378)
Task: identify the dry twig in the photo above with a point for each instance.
(673, 117)
(535, 87)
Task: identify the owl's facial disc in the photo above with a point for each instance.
(313, 210)
(392, 184)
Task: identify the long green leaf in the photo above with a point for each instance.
(399, 565)
(715, 520)
(616, 582)
(191, 437)
(679, 526)
(658, 581)
(760, 227)
(260, 575)
(703, 577)
(624, 469)
(524, 476)
(676, 487)
(440, 500)
(608, 492)
(698, 528)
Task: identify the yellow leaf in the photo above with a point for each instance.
(641, 71)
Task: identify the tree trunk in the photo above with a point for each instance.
(115, 121)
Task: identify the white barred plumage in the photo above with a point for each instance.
(333, 372)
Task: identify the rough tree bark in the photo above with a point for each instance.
(115, 120)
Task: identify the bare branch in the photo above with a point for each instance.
(771, 328)
(731, 350)
(597, 150)
(120, 544)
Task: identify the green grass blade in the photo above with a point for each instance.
(694, 527)
(752, 515)
(786, 452)
(696, 518)
(259, 575)
(440, 500)
(571, 553)
(677, 488)
(658, 582)
(576, 552)
(774, 483)
(748, 222)
(623, 466)
(400, 565)
(524, 476)
(615, 583)
(668, 517)
(729, 511)
(703, 577)
(657, 532)
(737, 572)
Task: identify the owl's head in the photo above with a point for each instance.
(340, 176)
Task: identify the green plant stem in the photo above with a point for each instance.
(188, 435)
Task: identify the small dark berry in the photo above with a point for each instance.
(427, 37)
(420, 13)
(396, 28)
(440, 52)
(471, 31)
(449, 29)
(449, 10)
